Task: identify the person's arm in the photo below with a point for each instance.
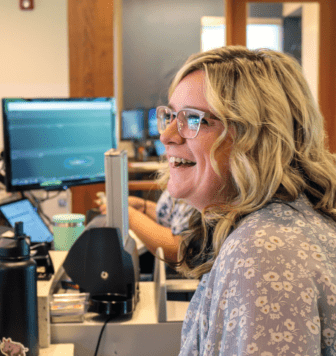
(153, 235)
(147, 207)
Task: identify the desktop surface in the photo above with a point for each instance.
(140, 335)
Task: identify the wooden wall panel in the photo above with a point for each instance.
(236, 35)
(327, 73)
(91, 47)
(91, 67)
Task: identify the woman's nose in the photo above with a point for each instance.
(171, 134)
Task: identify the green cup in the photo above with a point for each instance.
(66, 229)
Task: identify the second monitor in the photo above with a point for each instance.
(133, 125)
(139, 124)
(153, 131)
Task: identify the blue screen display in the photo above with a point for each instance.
(152, 123)
(159, 148)
(133, 124)
(56, 143)
(33, 225)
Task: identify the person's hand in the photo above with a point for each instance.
(102, 209)
(101, 201)
(136, 203)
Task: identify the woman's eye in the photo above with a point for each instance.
(193, 122)
(205, 122)
(167, 117)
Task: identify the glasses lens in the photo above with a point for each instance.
(188, 123)
(163, 115)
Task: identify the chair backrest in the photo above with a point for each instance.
(160, 286)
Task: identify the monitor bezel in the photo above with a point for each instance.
(39, 186)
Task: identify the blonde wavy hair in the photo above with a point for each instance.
(279, 145)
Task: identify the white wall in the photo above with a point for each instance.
(33, 51)
(310, 45)
(310, 14)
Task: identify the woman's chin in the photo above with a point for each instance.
(176, 190)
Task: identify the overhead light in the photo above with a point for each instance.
(26, 4)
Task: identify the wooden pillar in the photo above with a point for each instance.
(90, 67)
(236, 14)
(236, 20)
(327, 70)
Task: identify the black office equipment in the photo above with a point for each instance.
(54, 143)
(18, 296)
(101, 266)
(104, 260)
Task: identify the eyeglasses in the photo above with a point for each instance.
(188, 120)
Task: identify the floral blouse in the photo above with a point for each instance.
(173, 213)
(272, 289)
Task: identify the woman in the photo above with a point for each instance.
(246, 148)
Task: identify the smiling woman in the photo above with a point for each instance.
(264, 182)
(196, 183)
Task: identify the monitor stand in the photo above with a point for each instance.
(116, 186)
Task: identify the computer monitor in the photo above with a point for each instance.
(133, 125)
(159, 148)
(152, 124)
(55, 143)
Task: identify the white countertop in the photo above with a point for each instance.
(58, 350)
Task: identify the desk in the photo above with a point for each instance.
(44, 289)
(58, 350)
(141, 335)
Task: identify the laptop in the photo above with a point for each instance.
(33, 225)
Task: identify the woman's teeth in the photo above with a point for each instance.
(177, 161)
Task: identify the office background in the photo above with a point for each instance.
(71, 47)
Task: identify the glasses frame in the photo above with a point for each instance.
(202, 115)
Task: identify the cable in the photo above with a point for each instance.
(48, 197)
(38, 206)
(101, 333)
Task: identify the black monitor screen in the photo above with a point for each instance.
(56, 143)
(152, 123)
(133, 124)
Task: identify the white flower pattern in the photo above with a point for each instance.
(171, 213)
(273, 288)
